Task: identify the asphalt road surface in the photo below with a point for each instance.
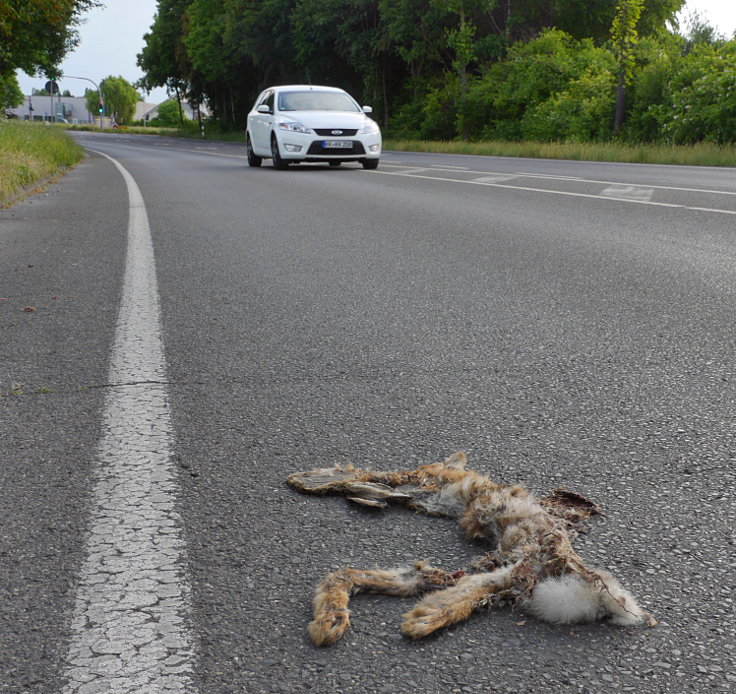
(178, 333)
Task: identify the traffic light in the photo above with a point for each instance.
(101, 108)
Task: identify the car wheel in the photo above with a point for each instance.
(370, 163)
(278, 162)
(253, 158)
(335, 163)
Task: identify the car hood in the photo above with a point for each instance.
(327, 119)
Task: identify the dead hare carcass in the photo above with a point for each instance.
(532, 562)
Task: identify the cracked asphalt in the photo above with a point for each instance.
(315, 316)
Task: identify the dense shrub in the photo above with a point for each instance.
(168, 115)
(557, 88)
(705, 111)
(582, 112)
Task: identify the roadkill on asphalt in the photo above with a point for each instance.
(531, 561)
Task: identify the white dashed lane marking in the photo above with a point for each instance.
(495, 178)
(487, 180)
(130, 631)
(628, 193)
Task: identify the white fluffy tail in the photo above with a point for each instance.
(570, 598)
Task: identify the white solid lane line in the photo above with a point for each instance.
(130, 630)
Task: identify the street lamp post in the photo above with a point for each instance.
(99, 91)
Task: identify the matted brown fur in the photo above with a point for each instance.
(530, 544)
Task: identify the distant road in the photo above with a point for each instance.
(169, 356)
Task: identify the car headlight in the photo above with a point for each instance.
(369, 127)
(295, 127)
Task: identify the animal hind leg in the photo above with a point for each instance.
(455, 604)
(377, 487)
(331, 617)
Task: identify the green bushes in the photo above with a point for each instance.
(705, 109)
(168, 115)
(557, 88)
(553, 87)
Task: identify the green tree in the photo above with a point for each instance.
(415, 30)
(10, 93)
(164, 58)
(92, 100)
(461, 39)
(593, 18)
(260, 32)
(213, 58)
(169, 115)
(344, 48)
(427, 60)
(36, 34)
(624, 36)
(119, 96)
(656, 61)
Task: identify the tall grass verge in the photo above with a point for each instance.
(192, 132)
(132, 129)
(702, 154)
(30, 152)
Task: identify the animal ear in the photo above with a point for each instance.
(457, 461)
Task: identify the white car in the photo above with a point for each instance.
(309, 123)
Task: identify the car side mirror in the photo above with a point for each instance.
(367, 109)
(263, 108)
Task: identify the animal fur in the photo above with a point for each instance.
(532, 562)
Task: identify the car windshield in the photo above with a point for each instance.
(316, 101)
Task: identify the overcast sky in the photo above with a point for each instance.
(112, 36)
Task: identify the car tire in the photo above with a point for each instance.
(278, 162)
(253, 158)
(370, 163)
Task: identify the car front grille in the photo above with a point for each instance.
(317, 148)
(327, 132)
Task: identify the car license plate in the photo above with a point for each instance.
(337, 144)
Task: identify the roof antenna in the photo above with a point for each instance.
(309, 80)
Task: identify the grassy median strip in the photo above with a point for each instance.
(30, 152)
(702, 154)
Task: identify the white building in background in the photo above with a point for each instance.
(151, 110)
(70, 109)
(73, 110)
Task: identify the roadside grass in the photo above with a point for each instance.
(701, 154)
(192, 133)
(30, 152)
(135, 130)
